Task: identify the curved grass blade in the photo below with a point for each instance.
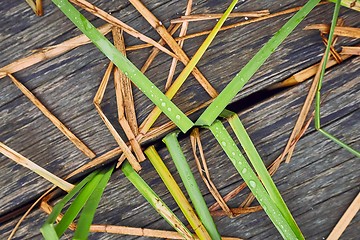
(128, 68)
(176, 192)
(252, 181)
(190, 184)
(155, 201)
(318, 92)
(47, 229)
(229, 92)
(88, 212)
(78, 204)
(260, 169)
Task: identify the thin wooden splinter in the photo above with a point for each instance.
(196, 144)
(351, 50)
(76, 141)
(125, 101)
(97, 101)
(212, 16)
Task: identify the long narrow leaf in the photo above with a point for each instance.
(155, 201)
(129, 69)
(246, 172)
(88, 212)
(176, 192)
(225, 97)
(48, 227)
(77, 204)
(260, 168)
(190, 184)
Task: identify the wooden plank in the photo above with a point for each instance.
(66, 86)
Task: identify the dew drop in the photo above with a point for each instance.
(169, 109)
(244, 170)
(223, 143)
(252, 184)
(233, 153)
(177, 117)
(163, 104)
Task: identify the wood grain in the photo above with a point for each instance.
(318, 184)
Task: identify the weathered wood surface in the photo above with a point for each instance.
(318, 184)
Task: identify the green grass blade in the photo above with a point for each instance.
(251, 179)
(260, 169)
(48, 232)
(318, 92)
(338, 141)
(155, 201)
(229, 92)
(48, 227)
(190, 184)
(176, 192)
(88, 212)
(129, 69)
(77, 204)
(323, 67)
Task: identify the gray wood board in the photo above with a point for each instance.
(67, 84)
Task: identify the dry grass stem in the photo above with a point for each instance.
(351, 51)
(76, 141)
(303, 113)
(181, 43)
(97, 101)
(116, 22)
(171, 29)
(236, 211)
(16, 227)
(123, 230)
(157, 25)
(49, 52)
(23, 161)
(36, 6)
(231, 26)
(350, 32)
(333, 52)
(125, 101)
(345, 219)
(196, 144)
(307, 73)
(125, 84)
(211, 16)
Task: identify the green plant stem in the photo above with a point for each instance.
(190, 184)
(47, 229)
(230, 91)
(176, 192)
(128, 68)
(88, 212)
(155, 201)
(260, 169)
(318, 92)
(251, 179)
(78, 204)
